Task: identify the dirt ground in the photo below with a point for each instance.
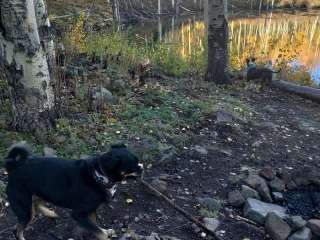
(285, 132)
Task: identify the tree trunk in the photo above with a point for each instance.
(116, 12)
(217, 31)
(25, 46)
(177, 7)
(303, 91)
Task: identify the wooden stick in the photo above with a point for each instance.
(179, 209)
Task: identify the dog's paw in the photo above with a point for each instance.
(107, 234)
(103, 235)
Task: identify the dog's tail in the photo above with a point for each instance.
(17, 156)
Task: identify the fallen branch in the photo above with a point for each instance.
(303, 91)
(179, 209)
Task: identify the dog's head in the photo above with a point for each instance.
(251, 62)
(119, 163)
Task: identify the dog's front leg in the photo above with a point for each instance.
(20, 230)
(89, 222)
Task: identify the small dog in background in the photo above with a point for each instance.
(80, 185)
(139, 72)
(264, 74)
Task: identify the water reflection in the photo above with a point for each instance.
(287, 40)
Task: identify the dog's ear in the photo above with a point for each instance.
(120, 145)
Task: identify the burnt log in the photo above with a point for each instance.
(303, 91)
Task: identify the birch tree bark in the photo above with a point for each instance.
(217, 31)
(116, 12)
(25, 47)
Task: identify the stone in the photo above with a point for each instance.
(100, 96)
(118, 84)
(160, 185)
(303, 234)
(60, 139)
(224, 117)
(257, 210)
(248, 192)
(296, 222)
(49, 152)
(291, 185)
(210, 203)
(278, 196)
(314, 225)
(307, 125)
(236, 199)
(201, 150)
(285, 176)
(276, 227)
(306, 175)
(211, 223)
(277, 185)
(260, 185)
(267, 173)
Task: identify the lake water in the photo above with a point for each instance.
(291, 41)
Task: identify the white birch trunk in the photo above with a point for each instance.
(23, 56)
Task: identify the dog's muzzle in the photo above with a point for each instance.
(138, 173)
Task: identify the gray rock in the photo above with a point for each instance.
(257, 210)
(267, 173)
(277, 228)
(60, 139)
(277, 185)
(285, 175)
(292, 185)
(236, 199)
(100, 96)
(248, 192)
(314, 225)
(224, 117)
(49, 152)
(201, 150)
(211, 223)
(278, 196)
(303, 234)
(306, 175)
(210, 203)
(296, 222)
(307, 125)
(118, 84)
(260, 185)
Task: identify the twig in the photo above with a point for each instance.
(239, 218)
(179, 209)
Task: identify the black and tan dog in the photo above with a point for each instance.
(264, 74)
(81, 185)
